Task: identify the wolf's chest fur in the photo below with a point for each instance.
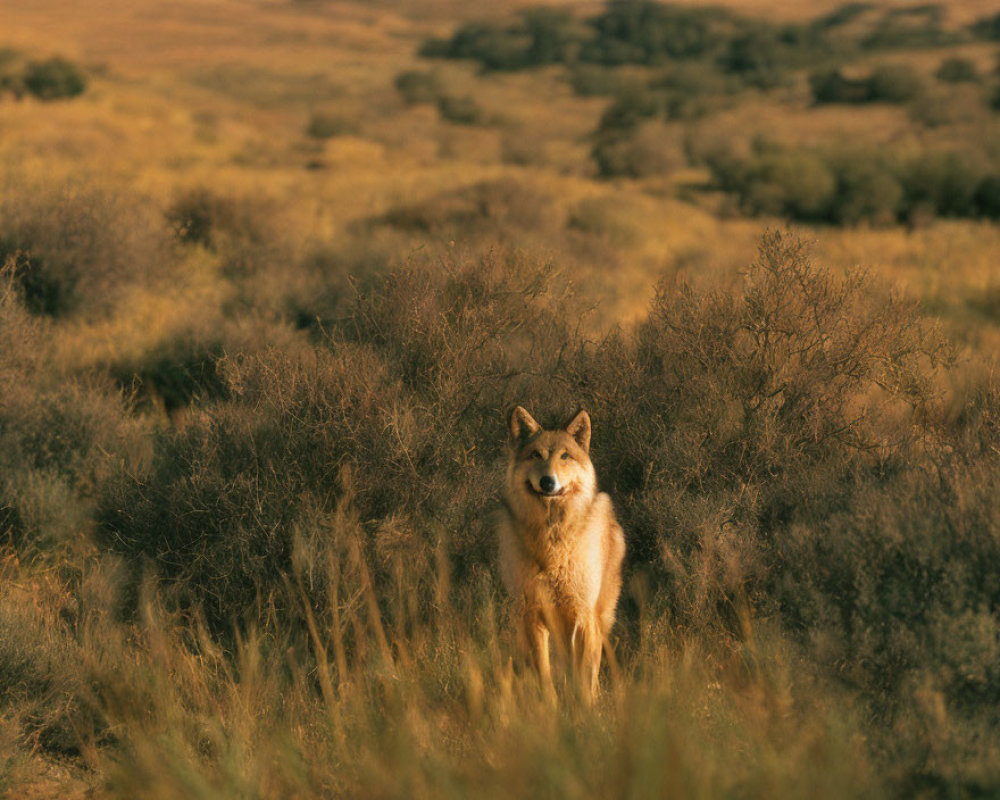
(556, 551)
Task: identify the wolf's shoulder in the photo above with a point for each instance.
(602, 505)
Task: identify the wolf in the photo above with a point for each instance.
(561, 547)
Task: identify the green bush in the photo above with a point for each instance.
(942, 183)
(460, 110)
(987, 197)
(645, 32)
(484, 207)
(957, 70)
(894, 84)
(646, 152)
(916, 26)
(830, 86)
(418, 87)
(53, 79)
(867, 190)
(591, 80)
(495, 48)
(854, 186)
(886, 84)
(690, 91)
(326, 125)
(798, 185)
(758, 58)
(630, 109)
(988, 27)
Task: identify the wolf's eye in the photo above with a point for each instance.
(564, 456)
(535, 454)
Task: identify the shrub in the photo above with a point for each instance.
(988, 27)
(942, 183)
(518, 147)
(799, 185)
(894, 84)
(867, 190)
(174, 372)
(407, 381)
(758, 59)
(202, 216)
(57, 434)
(886, 84)
(495, 48)
(647, 32)
(690, 91)
(54, 79)
(647, 152)
(484, 206)
(326, 125)
(830, 86)
(847, 187)
(460, 110)
(77, 248)
(630, 109)
(987, 197)
(911, 27)
(740, 408)
(590, 80)
(605, 217)
(957, 70)
(554, 35)
(418, 87)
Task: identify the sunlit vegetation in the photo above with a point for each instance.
(272, 274)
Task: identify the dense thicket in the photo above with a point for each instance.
(779, 455)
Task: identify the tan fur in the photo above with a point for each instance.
(560, 555)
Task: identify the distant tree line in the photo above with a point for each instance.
(651, 33)
(853, 186)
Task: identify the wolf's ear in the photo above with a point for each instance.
(521, 425)
(579, 429)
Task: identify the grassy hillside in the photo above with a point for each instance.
(272, 271)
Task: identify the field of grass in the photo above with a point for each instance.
(269, 284)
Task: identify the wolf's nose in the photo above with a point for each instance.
(546, 483)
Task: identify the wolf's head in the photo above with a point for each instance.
(550, 464)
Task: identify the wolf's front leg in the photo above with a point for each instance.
(586, 645)
(538, 644)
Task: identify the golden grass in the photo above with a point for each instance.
(217, 94)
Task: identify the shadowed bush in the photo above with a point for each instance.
(854, 186)
(56, 435)
(54, 79)
(78, 248)
(417, 87)
(328, 124)
(460, 110)
(486, 207)
(886, 84)
(957, 70)
(403, 388)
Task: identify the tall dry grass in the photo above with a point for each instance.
(292, 592)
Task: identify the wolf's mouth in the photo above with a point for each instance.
(548, 495)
